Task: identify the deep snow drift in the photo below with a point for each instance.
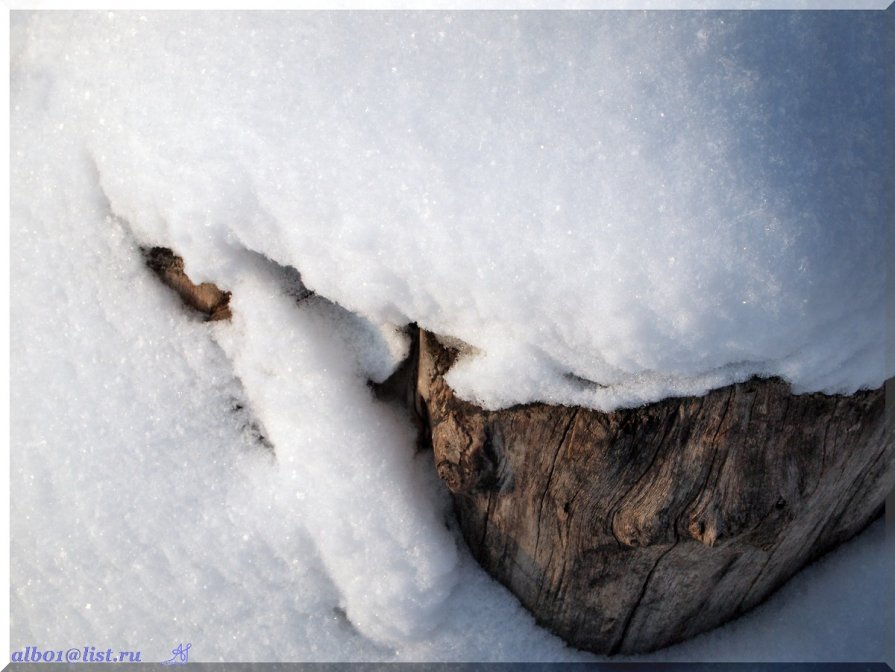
(656, 203)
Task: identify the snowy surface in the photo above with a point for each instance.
(655, 203)
(467, 4)
(693, 214)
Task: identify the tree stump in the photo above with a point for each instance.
(628, 531)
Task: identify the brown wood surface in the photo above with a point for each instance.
(628, 531)
(205, 297)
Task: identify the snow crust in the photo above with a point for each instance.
(145, 511)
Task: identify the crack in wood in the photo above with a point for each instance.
(565, 434)
(617, 646)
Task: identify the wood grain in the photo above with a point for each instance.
(628, 531)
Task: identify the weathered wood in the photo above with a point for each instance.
(205, 297)
(628, 531)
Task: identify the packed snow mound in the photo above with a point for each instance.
(611, 207)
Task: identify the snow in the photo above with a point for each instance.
(652, 203)
(648, 202)
(346, 459)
